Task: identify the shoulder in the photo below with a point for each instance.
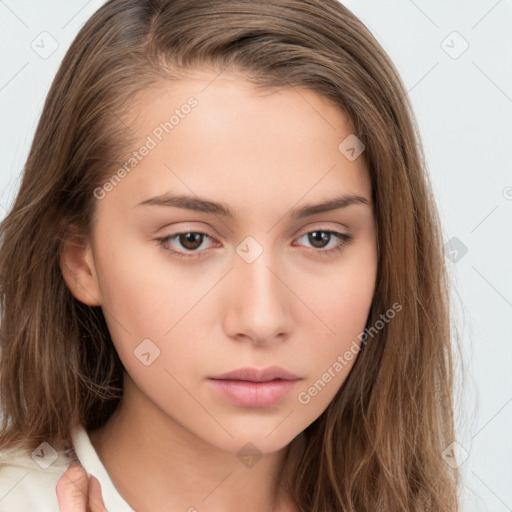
(28, 479)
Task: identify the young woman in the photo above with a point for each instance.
(222, 280)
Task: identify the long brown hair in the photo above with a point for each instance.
(378, 445)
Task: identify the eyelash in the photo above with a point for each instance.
(343, 241)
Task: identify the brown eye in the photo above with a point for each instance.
(191, 240)
(184, 244)
(321, 238)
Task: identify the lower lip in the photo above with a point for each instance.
(254, 394)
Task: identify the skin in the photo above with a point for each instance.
(172, 443)
(77, 493)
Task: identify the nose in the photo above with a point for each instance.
(259, 301)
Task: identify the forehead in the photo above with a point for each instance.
(220, 136)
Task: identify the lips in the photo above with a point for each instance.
(257, 375)
(253, 387)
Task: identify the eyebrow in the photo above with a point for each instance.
(204, 205)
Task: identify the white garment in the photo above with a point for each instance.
(28, 479)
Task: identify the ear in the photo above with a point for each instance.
(77, 266)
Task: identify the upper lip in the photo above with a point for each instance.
(257, 375)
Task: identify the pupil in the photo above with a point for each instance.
(318, 237)
(191, 240)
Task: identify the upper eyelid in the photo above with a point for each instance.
(316, 227)
(343, 240)
(299, 235)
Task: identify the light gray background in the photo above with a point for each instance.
(463, 102)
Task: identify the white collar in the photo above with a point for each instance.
(93, 466)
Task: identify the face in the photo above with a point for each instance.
(237, 273)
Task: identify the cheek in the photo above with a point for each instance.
(333, 345)
(144, 299)
(146, 296)
(343, 299)
(145, 292)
